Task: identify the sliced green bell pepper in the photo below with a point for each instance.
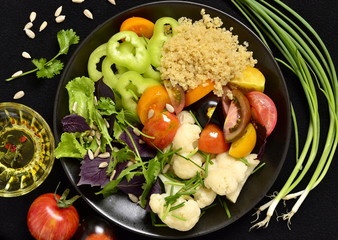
(130, 87)
(163, 29)
(137, 59)
(94, 58)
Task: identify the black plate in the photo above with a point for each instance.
(118, 208)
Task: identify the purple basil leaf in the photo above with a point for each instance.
(261, 140)
(134, 186)
(144, 149)
(119, 168)
(74, 123)
(90, 173)
(103, 90)
(156, 188)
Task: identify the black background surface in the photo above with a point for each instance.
(316, 219)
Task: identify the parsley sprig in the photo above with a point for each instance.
(53, 67)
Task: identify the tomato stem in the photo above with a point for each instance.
(63, 202)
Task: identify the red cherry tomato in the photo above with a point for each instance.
(162, 127)
(46, 220)
(95, 228)
(212, 140)
(263, 110)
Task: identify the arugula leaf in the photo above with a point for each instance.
(53, 67)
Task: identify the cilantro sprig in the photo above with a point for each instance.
(53, 67)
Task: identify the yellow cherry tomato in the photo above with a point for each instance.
(251, 79)
(244, 145)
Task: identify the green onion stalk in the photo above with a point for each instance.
(308, 58)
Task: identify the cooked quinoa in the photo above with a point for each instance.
(203, 50)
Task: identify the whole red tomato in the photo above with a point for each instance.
(52, 217)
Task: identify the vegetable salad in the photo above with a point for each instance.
(172, 150)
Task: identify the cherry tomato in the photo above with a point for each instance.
(141, 26)
(212, 140)
(46, 220)
(197, 93)
(244, 145)
(176, 95)
(162, 127)
(95, 228)
(238, 116)
(251, 79)
(154, 98)
(263, 110)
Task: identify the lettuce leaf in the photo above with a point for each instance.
(69, 146)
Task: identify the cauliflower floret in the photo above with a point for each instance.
(227, 175)
(184, 168)
(183, 218)
(204, 197)
(187, 134)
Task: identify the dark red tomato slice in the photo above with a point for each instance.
(238, 116)
(212, 140)
(162, 127)
(263, 110)
(176, 96)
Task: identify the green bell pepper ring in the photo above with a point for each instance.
(130, 86)
(163, 29)
(94, 59)
(137, 59)
(109, 77)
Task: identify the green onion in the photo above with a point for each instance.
(308, 58)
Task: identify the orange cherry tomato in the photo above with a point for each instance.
(212, 140)
(162, 127)
(141, 26)
(154, 98)
(197, 93)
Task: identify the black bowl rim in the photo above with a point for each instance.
(288, 134)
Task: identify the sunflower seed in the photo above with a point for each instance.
(104, 155)
(170, 108)
(112, 2)
(98, 141)
(136, 131)
(97, 151)
(28, 25)
(26, 55)
(90, 139)
(88, 14)
(60, 19)
(30, 33)
(112, 175)
(74, 107)
(140, 141)
(98, 135)
(78, 1)
(133, 198)
(90, 154)
(92, 133)
(32, 16)
(58, 11)
(17, 74)
(103, 165)
(19, 94)
(43, 26)
(151, 113)
(166, 168)
(106, 123)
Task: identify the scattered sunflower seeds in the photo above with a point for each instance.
(28, 25)
(78, 1)
(26, 55)
(112, 175)
(97, 151)
(17, 74)
(60, 19)
(103, 165)
(133, 198)
(104, 155)
(170, 108)
(43, 26)
(112, 2)
(88, 14)
(90, 154)
(151, 113)
(32, 16)
(30, 33)
(19, 95)
(58, 11)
